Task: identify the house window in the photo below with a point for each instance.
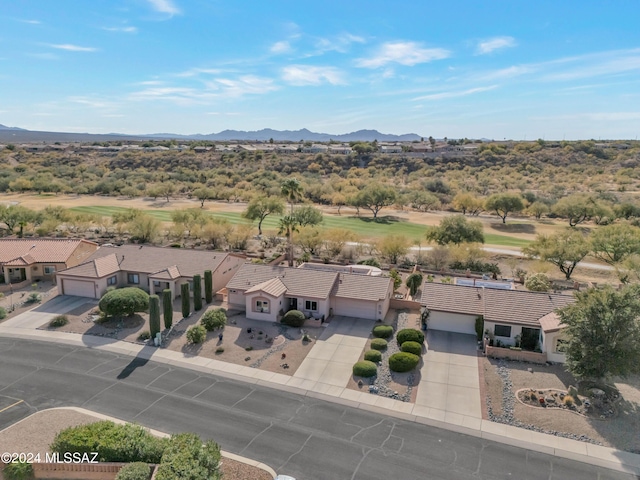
(310, 305)
(156, 283)
(502, 331)
(561, 345)
(191, 285)
(112, 280)
(133, 278)
(262, 306)
(49, 270)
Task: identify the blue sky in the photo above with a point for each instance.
(496, 69)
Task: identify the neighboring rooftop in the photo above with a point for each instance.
(361, 287)
(25, 251)
(505, 306)
(355, 269)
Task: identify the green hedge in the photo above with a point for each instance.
(365, 368)
(167, 307)
(383, 331)
(208, 286)
(197, 293)
(187, 457)
(293, 318)
(113, 442)
(18, 471)
(410, 335)
(213, 319)
(134, 471)
(186, 301)
(379, 344)
(154, 315)
(373, 356)
(124, 302)
(403, 362)
(412, 347)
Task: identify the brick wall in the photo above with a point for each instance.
(71, 471)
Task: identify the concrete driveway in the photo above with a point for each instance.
(328, 366)
(449, 387)
(46, 312)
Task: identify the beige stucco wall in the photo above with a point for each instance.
(549, 346)
(236, 299)
(81, 253)
(276, 304)
(225, 272)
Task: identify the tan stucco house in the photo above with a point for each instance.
(152, 269)
(265, 291)
(28, 259)
(506, 314)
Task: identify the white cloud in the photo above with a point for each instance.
(496, 43)
(121, 29)
(32, 22)
(404, 53)
(245, 84)
(194, 72)
(456, 93)
(595, 117)
(164, 6)
(311, 75)
(72, 48)
(340, 43)
(280, 47)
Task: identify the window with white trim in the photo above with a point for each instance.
(311, 305)
(133, 278)
(262, 306)
(49, 269)
(502, 331)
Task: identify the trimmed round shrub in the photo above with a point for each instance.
(379, 344)
(124, 302)
(188, 457)
(196, 334)
(373, 356)
(383, 331)
(403, 362)
(410, 335)
(59, 321)
(3, 313)
(538, 282)
(213, 319)
(293, 318)
(365, 368)
(134, 471)
(412, 347)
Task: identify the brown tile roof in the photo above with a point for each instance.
(304, 283)
(97, 268)
(41, 250)
(550, 323)
(151, 260)
(169, 273)
(504, 306)
(361, 287)
(273, 287)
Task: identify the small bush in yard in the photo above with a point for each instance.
(188, 457)
(293, 318)
(213, 319)
(373, 356)
(383, 331)
(379, 344)
(18, 471)
(412, 347)
(403, 362)
(568, 400)
(410, 335)
(196, 334)
(220, 350)
(144, 336)
(365, 368)
(3, 313)
(59, 321)
(124, 302)
(33, 298)
(134, 471)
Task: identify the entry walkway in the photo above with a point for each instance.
(330, 361)
(449, 388)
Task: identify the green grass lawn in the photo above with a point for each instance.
(365, 227)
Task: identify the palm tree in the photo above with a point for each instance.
(288, 225)
(292, 190)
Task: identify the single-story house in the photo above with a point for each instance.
(152, 269)
(265, 291)
(507, 314)
(28, 259)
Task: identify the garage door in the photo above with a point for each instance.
(78, 288)
(452, 322)
(354, 308)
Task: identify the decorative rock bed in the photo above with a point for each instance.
(598, 405)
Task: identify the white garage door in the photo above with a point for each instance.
(355, 308)
(452, 322)
(78, 288)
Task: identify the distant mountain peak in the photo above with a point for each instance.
(4, 127)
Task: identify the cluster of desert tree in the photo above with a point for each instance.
(547, 178)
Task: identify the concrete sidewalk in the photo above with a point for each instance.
(466, 424)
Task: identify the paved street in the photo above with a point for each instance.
(303, 436)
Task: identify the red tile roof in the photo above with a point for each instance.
(38, 250)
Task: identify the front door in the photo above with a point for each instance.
(293, 304)
(530, 338)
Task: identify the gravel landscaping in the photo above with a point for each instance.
(35, 434)
(504, 378)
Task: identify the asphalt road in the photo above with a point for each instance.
(304, 437)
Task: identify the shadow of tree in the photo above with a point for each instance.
(136, 362)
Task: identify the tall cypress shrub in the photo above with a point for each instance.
(208, 286)
(186, 302)
(167, 304)
(197, 292)
(154, 315)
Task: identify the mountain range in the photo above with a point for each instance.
(15, 134)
